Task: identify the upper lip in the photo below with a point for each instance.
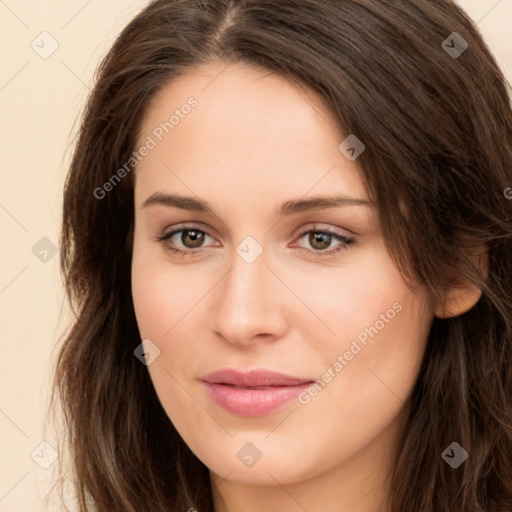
(257, 377)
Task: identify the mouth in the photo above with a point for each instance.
(249, 387)
(254, 393)
(258, 378)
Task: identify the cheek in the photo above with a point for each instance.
(160, 291)
(354, 297)
(381, 340)
(379, 329)
(148, 286)
(161, 299)
(145, 296)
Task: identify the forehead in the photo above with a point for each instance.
(250, 131)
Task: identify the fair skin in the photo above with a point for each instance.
(253, 142)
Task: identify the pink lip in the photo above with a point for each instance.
(254, 393)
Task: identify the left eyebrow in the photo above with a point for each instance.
(290, 207)
(319, 203)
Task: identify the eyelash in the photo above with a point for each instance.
(347, 241)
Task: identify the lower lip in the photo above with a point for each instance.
(253, 402)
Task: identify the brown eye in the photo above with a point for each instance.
(192, 238)
(183, 241)
(319, 240)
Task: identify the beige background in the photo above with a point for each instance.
(39, 100)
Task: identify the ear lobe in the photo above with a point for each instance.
(457, 300)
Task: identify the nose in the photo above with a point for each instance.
(249, 303)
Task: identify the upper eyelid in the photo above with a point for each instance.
(320, 229)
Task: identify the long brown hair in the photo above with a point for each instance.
(437, 127)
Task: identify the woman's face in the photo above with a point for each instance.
(264, 285)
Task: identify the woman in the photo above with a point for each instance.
(287, 238)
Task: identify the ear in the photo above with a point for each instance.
(459, 299)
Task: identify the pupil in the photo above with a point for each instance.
(320, 237)
(195, 236)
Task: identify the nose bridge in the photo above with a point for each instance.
(247, 301)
